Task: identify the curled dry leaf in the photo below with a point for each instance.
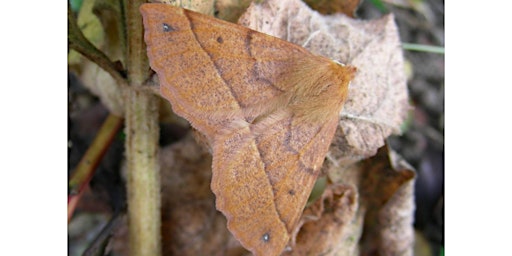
(377, 222)
(377, 101)
(387, 194)
(328, 225)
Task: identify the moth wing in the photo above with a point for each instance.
(210, 70)
(262, 185)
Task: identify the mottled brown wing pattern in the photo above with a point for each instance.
(242, 90)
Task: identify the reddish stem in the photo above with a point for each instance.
(86, 168)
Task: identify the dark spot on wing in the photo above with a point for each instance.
(220, 40)
(266, 237)
(167, 28)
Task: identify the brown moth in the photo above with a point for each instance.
(267, 107)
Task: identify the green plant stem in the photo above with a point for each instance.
(423, 48)
(143, 184)
(141, 110)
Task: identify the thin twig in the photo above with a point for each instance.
(423, 48)
(78, 42)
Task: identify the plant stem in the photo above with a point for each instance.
(423, 48)
(78, 42)
(143, 184)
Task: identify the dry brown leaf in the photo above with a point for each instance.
(202, 6)
(377, 103)
(348, 7)
(190, 223)
(369, 211)
(376, 190)
(384, 188)
(328, 226)
(387, 194)
(230, 10)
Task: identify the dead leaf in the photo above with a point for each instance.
(379, 222)
(329, 226)
(202, 6)
(190, 223)
(348, 7)
(230, 10)
(101, 84)
(377, 101)
(387, 194)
